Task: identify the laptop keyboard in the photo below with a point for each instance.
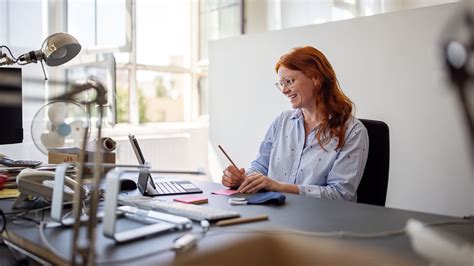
(191, 211)
(170, 187)
(175, 188)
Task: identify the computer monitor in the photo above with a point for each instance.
(11, 106)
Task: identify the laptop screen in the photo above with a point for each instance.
(173, 187)
(136, 149)
(144, 177)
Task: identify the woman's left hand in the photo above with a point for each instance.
(257, 181)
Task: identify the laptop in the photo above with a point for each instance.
(148, 187)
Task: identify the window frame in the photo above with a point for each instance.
(197, 70)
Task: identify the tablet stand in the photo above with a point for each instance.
(110, 216)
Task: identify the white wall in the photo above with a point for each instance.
(3, 21)
(164, 146)
(389, 65)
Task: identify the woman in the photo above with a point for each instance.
(318, 149)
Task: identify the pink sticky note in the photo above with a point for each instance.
(192, 199)
(225, 192)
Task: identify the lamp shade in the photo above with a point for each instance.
(59, 48)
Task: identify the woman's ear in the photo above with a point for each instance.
(316, 82)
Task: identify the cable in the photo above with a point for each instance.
(337, 234)
(21, 216)
(30, 220)
(333, 234)
(42, 213)
(205, 228)
(447, 222)
(28, 211)
(10, 52)
(45, 240)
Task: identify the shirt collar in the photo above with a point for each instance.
(297, 114)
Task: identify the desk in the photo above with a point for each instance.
(299, 212)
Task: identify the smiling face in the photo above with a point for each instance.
(315, 91)
(302, 93)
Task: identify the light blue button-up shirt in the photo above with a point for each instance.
(333, 174)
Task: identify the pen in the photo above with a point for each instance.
(227, 156)
(242, 220)
(230, 160)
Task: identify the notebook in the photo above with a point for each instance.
(149, 187)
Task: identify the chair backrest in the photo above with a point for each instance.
(373, 185)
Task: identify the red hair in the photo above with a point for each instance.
(332, 104)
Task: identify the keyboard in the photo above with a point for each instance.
(194, 212)
(174, 188)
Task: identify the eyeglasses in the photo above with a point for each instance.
(285, 82)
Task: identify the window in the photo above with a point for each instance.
(25, 34)
(217, 19)
(161, 95)
(163, 60)
(122, 100)
(98, 23)
(163, 33)
(103, 71)
(4, 21)
(160, 47)
(294, 13)
(203, 95)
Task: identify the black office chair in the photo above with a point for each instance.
(373, 185)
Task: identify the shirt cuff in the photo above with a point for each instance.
(250, 171)
(312, 191)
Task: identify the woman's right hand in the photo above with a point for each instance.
(233, 177)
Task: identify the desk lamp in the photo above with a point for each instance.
(59, 48)
(56, 50)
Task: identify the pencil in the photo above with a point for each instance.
(227, 156)
(242, 220)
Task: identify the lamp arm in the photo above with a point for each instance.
(4, 59)
(91, 83)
